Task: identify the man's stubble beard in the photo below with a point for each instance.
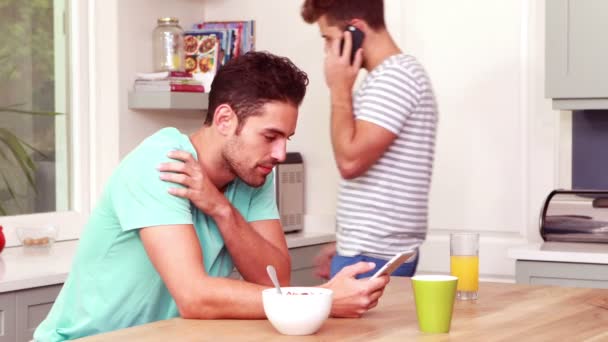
(234, 165)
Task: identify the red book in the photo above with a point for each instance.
(195, 88)
(184, 74)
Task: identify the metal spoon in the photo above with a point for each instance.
(272, 273)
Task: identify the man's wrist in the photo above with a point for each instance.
(340, 94)
(221, 211)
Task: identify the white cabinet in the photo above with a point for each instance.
(8, 332)
(576, 54)
(561, 274)
(302, 266)
(33, 305)
(22, 311)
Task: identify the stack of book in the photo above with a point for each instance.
(167, 81)
(209, 45)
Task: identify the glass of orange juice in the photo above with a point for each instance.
(464, 264)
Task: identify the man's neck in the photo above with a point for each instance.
(378, 46)
(209, 151)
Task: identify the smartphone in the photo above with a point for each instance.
(357, 38)
(395, 262)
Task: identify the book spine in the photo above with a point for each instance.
(180, 74)
(187, 88)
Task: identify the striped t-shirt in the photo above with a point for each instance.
(384, 211)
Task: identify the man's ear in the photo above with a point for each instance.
(360, 24)
(225, 119)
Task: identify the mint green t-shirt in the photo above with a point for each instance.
(112, 283)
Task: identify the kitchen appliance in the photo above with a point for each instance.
(289, 187)
(575, 216)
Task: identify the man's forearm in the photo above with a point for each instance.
(342, 127)
(250, 251)
(221, 298)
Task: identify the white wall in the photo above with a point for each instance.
(498, 137)
(136, 20)
(121, 38)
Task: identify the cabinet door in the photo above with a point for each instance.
(561, 274)
(7, 317)
(576, 49)
(302, 265)
(305, 277)
(32, 307)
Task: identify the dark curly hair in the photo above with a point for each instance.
(251, 80)
(340, 12)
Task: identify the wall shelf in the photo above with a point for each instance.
(168, 100)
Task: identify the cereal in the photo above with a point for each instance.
(289, 293)
(43, 241)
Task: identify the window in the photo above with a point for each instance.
(33, 133)
(43, 112)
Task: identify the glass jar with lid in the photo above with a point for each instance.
(168, 45)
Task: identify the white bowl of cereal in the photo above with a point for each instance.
(299, 310)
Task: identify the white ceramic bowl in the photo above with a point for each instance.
(299, 310)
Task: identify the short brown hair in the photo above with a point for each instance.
(340, 12)
(249, 81)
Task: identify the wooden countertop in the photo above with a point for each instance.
(505, 312)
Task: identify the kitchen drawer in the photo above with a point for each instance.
(305, 277)
(8, 332)
(302, 266)
(561, 274)
(32, 307)
(303, 257)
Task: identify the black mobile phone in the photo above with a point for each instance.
(357, 38)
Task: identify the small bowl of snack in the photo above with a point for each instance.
(299, 310)
(37, 236)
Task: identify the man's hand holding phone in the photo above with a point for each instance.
(356, 39)
(395, 262)
(340, 72)
(353, 297)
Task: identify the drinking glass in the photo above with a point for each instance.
(464, 264)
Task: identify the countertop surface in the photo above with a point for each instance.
(592, 253)
(28, 267)
(503, 312)
(308, 237)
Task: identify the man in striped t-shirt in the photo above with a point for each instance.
(383, 138)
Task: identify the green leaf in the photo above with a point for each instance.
(34, 149)
(23, 159)
(30, 112)
(3, 212)
(8, 187)
(3, 155)
(16, 144)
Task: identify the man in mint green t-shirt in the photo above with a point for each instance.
(180, 212)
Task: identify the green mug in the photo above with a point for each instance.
(434, 296)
